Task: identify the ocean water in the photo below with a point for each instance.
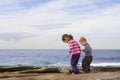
(55, 57)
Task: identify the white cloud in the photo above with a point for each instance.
(50, 20)
(15, 36)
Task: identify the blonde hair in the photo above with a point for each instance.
(83, 39)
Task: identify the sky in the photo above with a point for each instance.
(39, 24)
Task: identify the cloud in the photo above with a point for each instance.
(52, 18)
(14, 36)
(15, 6)
(50, 26)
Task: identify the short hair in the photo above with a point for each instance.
(66, 36)
(83, 39)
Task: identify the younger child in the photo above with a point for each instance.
(74, 51)
(88, 55)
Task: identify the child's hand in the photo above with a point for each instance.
(82, 49)
(68, 54)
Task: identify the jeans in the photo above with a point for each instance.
(86, 63)
(74, 62)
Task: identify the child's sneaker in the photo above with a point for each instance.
(69, 72)
(72, 73)
(87, 71)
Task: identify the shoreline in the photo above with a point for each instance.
(20, 72)
(18, 68)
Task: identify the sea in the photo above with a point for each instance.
(54, 57)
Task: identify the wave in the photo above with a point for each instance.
(93, 64)
(110, 58)
(105, 64)
(59, 65)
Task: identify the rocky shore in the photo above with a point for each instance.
(56, 73)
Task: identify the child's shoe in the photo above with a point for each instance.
(87, 71)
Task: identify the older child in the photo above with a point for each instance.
(88, 55)
(74, 50)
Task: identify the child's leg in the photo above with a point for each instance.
(89, 62)
(74, 62)
(84, 64)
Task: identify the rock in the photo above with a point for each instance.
(16, 68)
(32, 69)
(107, 69)
(43, 70)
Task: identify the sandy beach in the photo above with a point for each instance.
(53, 73)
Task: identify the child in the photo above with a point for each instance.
(88, 55)
(74, 50)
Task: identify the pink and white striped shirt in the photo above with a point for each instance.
(74, 47)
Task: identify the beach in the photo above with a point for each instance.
(54, 65)
(56, 73)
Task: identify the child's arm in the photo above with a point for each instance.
(70, 44)
(68, 54)
(87, 48)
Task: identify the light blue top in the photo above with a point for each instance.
(87, 50)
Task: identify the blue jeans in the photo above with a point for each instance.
(74, 62)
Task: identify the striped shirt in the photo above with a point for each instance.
(74, 47)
